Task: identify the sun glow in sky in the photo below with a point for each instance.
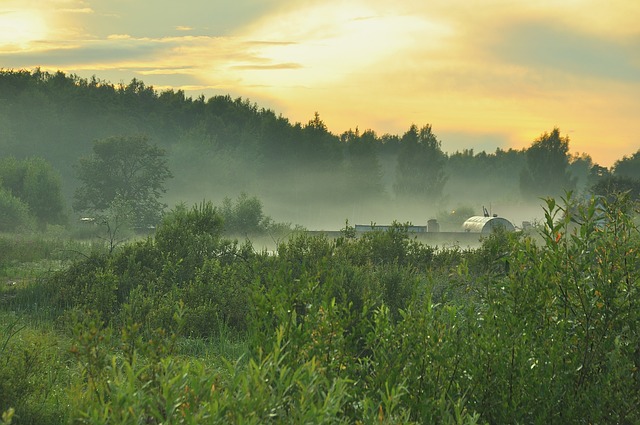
(485, 74)
(20, 28)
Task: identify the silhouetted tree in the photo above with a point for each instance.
(546, 172)
(598, 173)
(584, 171)
(242, 147)
(624, 178)
(628, 166)
(317, 146)
(364, 171)
(420, 170)
(611, 186)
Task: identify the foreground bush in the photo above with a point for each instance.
(378, 329)
(533, 333)
(32, 374)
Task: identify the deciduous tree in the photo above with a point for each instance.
(34, 182)
(364, 171)
(547, 169)
(420, 172)
(126, 168)
(613, 186)
(628, 166)
(245, 216)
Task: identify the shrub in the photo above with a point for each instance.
(371, 329)
(244, 217)
(188, 261)
(14, 214)
(31, 369)
(37, 185)
(189, 236)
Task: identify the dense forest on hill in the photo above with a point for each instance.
(303, 173)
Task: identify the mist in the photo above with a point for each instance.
(316, 200)
(302, 174)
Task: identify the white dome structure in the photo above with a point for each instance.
(483, 224)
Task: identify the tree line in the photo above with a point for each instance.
(222, 146)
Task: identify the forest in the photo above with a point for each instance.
(134, 288)
(303, 174)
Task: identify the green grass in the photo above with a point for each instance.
(213, 349)
(36, 370)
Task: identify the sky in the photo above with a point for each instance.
(484, 73)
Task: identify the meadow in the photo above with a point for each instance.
(187, 326)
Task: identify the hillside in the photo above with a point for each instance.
(223, 146)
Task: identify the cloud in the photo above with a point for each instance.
(328, 42)
(164, 70)
(269, 43)
(119, 37)
(550, 47)
(82, 10)
(273, 66)
(187, 62)
(86, 54)
(115, 48)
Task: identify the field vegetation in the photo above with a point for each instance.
(141, 280)
(189, 326)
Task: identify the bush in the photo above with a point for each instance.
(188, 262)
(190, 234)
(244, 217)
(38, 185)
(148, 382)
(14, 214)
(371, 329)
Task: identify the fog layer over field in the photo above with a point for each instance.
(301, 173)
(314, 201)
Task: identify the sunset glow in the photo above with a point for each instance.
(485, 76)
(19, 29)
